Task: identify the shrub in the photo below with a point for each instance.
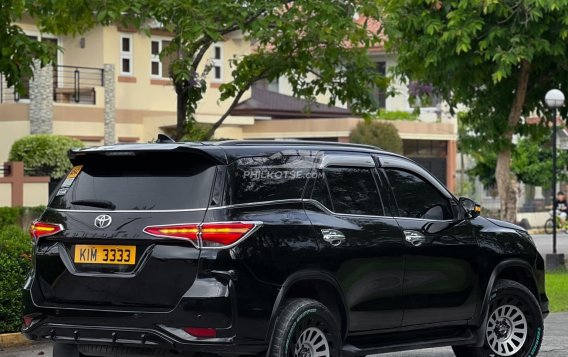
(397, 115)
(19, 216)
(15, 258)
(45, 155)
(377, 133)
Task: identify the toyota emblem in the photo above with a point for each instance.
(103, 221)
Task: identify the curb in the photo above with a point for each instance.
(13, 339)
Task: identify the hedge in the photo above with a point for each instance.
(15, 262)
(19, 216)
(45, 154)
(15, 258)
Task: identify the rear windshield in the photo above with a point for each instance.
(149, 181)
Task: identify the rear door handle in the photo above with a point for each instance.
(333, 236)
(415, 238)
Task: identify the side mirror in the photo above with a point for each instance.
(472, 208)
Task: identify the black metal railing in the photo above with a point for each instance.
(71, 84)
(5, 169)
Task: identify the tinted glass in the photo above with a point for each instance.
(416, 197)
(125, 44)
(353, 190)
(320, 192)
(155, 68)
(125, 65)
(155, 48)
(145, 182)
(256, 179)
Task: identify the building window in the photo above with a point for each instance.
(217, 62)
(160, 67)
(379, 94)
(126, 55)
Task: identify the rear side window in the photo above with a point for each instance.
(417, 198)
(350, 190)
(276, 177)
(143, 182)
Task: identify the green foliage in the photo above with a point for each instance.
(17, 50)
(196, 131)
(45, 154)
(314, 44)
(484, 55)
(396, 115)
(15, 258)
(377, 133)
(532, 162)
(19, 216)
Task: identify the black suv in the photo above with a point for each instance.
(304, 249)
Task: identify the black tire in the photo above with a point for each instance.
(548, 226)
(508, 299)
(308, 321)
(66, 350)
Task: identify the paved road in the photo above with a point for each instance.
(555, 344)
(544, 243)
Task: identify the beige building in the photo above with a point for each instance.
(145, 100)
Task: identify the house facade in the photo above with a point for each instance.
(115, 74)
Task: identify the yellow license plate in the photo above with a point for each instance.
(105, 254)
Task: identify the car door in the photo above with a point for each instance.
(440, 247)
(360, 245)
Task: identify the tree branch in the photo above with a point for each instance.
(219, 122)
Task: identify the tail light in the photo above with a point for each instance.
(180, 231)
(42, 229)
(211, 235)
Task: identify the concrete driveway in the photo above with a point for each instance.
(555, 344)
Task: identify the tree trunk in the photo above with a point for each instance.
(506, 186)
(506, 180)
(181, 90)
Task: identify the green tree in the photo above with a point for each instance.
(377, 133)
(498, 58)
(314, 44)
(61, 17)
(44, 155)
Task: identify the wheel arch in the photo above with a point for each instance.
(513, 269)
(317, 285)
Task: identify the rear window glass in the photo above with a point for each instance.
(143, 182)
(277, 177)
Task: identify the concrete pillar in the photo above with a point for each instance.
(451, 158)
(110, 105)
(41, 100)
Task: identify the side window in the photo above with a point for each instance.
(417, 198)
(277, 177)
(352, 190)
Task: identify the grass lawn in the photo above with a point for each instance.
(557, 290)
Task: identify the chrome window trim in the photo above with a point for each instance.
(128, 210)
(357, 160)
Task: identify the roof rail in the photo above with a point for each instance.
(294, 142)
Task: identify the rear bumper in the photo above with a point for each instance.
(135, 337)
(210, 303)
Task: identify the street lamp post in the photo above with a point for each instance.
(554, 99)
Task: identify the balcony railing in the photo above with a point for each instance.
(71, 84)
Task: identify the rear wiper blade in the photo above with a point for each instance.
(95, 203)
